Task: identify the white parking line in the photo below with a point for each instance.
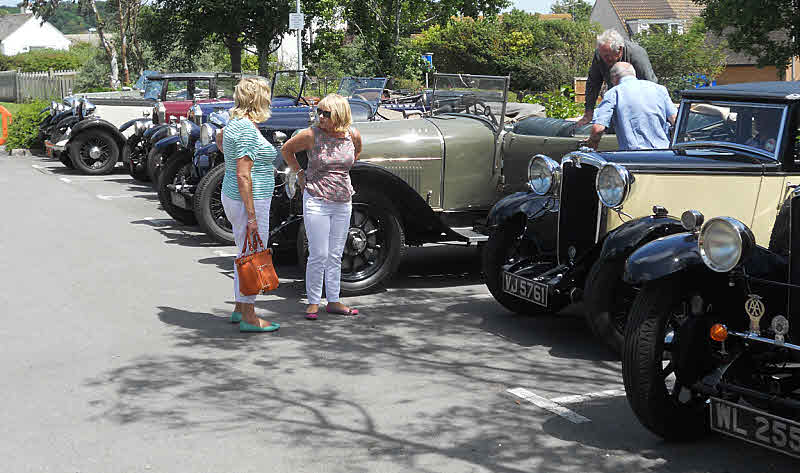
(579, 398)
(549, 405)
(112, 197)
(42, 169)
(64, 179)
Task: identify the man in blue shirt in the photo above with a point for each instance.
(642, 112)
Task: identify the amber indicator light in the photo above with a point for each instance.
(719, 332)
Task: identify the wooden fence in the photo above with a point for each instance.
(24, 86)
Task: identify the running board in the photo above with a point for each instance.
(470, 235)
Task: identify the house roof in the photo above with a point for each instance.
(655, 9)
(11, 23)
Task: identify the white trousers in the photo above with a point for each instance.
(237, 215)
(326, 223)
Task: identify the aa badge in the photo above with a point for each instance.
(755, 310)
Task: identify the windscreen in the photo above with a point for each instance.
(756, 126)
(288, 84)
(368, 89)
(474, 95)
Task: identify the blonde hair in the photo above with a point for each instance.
(340, 111)
(252, 99)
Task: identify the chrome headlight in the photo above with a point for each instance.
(186, 132)
(544, 174)
(88, 108)
(613, 184)
(206, 134)
(139, 127)
(172, 131)
(291, 185)
(724, 242)
(53, 108)
(197, 114)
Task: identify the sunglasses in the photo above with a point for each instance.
(324, 113)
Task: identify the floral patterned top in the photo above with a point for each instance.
(329, 163)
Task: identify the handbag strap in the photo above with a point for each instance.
(251, 245)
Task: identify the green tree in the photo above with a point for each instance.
(580, 10)
(765, 29)
(680, 59)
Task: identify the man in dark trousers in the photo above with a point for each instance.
(613, 48)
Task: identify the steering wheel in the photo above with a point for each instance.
(485, 110)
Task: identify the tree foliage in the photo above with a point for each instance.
(539, 55)
(41, 60)
(764, 29)
(679, 60)
(580, 10)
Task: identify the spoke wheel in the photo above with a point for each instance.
(177, 171)
(155, 162)
(659, 401)
(94, 152)
(505, 246)
(133, 155)
(208, 208)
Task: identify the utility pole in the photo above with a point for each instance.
(299, 41)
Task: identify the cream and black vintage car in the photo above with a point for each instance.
(733, 152)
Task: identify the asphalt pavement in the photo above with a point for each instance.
(117, 357)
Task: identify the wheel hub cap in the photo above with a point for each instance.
(95, 152)
(356, 240)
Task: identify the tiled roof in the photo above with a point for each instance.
(10, 23)
(655, 9)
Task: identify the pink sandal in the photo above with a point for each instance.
(350, 311)
(311, 315)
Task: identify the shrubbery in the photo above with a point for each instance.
(41, 61)
(559, 104)
(24, 129)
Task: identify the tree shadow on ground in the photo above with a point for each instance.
(175, 233)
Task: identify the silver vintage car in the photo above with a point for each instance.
(434, 179)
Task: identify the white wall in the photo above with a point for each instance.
(31, 35)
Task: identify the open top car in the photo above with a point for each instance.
(179, 91)
(733, 152)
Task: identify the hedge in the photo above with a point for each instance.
(23, 133)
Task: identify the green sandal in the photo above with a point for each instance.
(245, 327)
(236, 317)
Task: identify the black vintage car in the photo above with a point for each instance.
(568, 237)
(713, 339)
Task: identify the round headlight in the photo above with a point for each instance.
(186, 131)
(544, 174)
(291, 185)
(172, 130)
(161, 113)
(724, 242)
(197, 114)
(88, 107)
(206, 134)
(613, 184)
(138, 127)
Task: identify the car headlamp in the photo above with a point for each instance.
(139, 127)
(172, 130)
(206, 134)
(53, 108)
(186, 132)
(724, 242)
(544, 174)
(88, 108)
(197, 114)
(291, 185)
(613, 184)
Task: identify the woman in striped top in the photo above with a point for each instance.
(248, 184)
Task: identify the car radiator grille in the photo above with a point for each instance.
(411, 174)
(578, 212)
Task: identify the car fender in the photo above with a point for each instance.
(530, 205)
(68, 122)
(155, 133)
(623, 240)
(86, 125)
(130, 123)
(415, 214)
(662, 257)
(164, 143)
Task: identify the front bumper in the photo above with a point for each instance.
(54, 149)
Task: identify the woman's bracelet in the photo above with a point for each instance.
(251, 220)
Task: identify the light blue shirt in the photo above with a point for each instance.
(640, 110)
(241, 139)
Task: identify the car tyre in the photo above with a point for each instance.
(176, 168)
(499, 250)
(82, 151)
(607, 299)
(138, 172)
(208, 207)
(367, 264)
(155, 161)
(643, 371)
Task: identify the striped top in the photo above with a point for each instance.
(241, 138)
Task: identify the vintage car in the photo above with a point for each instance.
(420, 181)
(712, 340)
(568, 237)
(54, 114)
(179, 91)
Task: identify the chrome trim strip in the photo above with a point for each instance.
(769, 341)
(380, 160)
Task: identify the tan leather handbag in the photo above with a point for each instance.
(256, 273)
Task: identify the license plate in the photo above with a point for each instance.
(179, 200)
(532, 291)
(754, 426)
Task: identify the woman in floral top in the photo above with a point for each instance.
(333, 148)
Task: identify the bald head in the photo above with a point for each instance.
(620, 70)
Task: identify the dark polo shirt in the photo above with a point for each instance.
(599, 72)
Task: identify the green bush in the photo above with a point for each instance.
(559, 104)
(42, 60)
(24, 129)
